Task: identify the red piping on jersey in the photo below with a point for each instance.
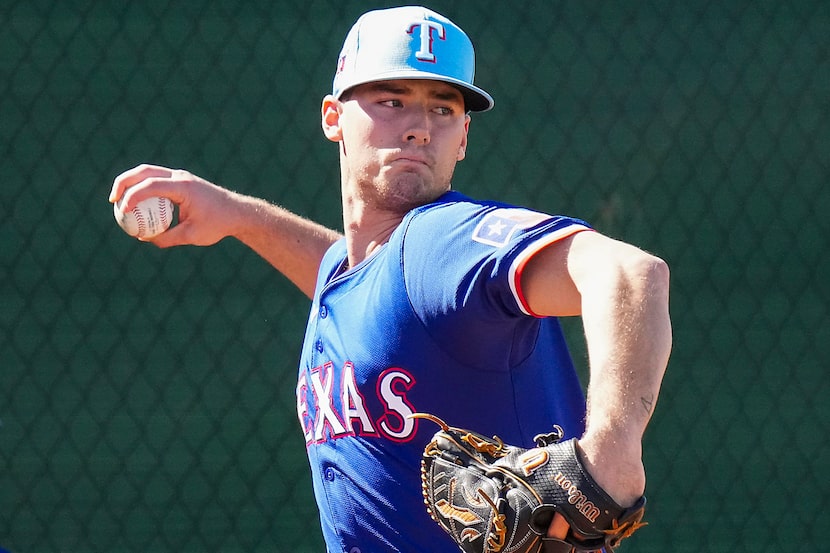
(529, 253)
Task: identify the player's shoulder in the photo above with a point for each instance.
(486, 221)
(454, 201)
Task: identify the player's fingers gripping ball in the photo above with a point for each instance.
(147, 219)
(491, 497)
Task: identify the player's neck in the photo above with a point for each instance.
(366, 230)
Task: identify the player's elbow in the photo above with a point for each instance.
(652, 299)
(656, 271)
(649, 275)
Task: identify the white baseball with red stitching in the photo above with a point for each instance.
(147, 219)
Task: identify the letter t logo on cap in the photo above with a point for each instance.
(425, 52)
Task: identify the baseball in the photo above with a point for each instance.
(149, 218)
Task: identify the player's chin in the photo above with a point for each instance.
(407, 194)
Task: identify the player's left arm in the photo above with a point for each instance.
(622, 295)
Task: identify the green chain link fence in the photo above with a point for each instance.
(147, 396)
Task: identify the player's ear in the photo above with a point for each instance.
(330, 118)
(462, 148)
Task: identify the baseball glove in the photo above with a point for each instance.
(495, 498)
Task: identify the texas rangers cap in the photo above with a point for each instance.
(410, 42)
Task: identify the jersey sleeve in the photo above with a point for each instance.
(524, 251)
(463, 263)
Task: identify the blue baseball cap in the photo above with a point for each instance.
(410, 42)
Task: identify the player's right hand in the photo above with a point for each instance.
(205, 214)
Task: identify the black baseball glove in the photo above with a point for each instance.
(495, 498)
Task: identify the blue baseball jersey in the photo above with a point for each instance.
(433, 322)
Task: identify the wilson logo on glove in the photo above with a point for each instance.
(577, 498)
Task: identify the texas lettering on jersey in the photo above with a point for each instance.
(330, 405)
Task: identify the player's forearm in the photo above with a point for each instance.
(290, 243)
(628, 332)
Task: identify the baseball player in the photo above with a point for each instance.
(434, 302)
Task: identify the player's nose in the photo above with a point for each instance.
(417, 129)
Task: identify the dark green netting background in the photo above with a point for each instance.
(147, 396)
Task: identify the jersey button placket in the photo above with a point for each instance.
(322, 313)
